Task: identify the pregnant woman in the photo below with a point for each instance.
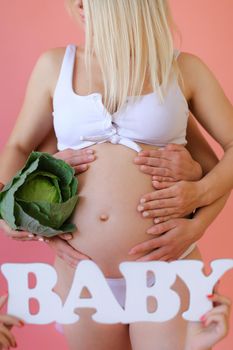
(127, 98)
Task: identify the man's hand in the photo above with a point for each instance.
(171, 163)
(171, 200)
(175, 178)
(172, 239)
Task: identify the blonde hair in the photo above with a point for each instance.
(131, 39)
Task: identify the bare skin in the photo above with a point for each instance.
(207, 110)
(7, 339)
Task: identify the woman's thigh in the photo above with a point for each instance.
(87, 334)
(164, 335)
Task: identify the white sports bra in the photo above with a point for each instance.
(82, 121)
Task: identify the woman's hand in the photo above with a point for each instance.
(172, 239)
(18, 235)
(213, 327)
(170, 200)
(26, 236)
(78, 159)
(7, 339)
(59, 244)
(63, 250)
(169, 164)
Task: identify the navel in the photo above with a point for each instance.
(104, 217)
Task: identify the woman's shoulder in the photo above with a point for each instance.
(51, 60)
(52, 57)
(190, 62)
(191, 67)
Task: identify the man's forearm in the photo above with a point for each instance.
(204, 216)
(218, 181)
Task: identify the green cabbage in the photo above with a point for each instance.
(41, 197)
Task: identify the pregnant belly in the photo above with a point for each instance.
(106, 216)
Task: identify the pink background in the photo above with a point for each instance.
(27, 28)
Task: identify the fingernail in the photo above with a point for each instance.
(156, 221)
(209, 296)
(46, 240)
(155, 182)
(21, 323)
(143, 167)
(140, 208)
(203, 318)
(145, 214)
(132, 251)
(90, 151)
(30, 235)
(142, 200)
(150, 230)
(68, 236)
(90, 157)
(41, 239)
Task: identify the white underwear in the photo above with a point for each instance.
(118, 285)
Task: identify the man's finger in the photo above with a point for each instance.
(147, 246)
(157, 254)
(159, 153)
(162, 214)
(164, 179)
(150, 170)
(161, 228)
(164, 193)
(155, 162)
(161, 185)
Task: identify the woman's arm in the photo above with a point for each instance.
(32, 125)
(213, 110)
(34, 120)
